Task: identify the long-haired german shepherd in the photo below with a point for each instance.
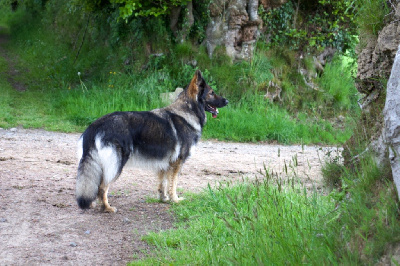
(160, 139)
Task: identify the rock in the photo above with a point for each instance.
(392, 120)
(391, 255)
(73, 244)
(395, 260)
(376, 59)
(273, 92)
(193, 63)
(170, 97)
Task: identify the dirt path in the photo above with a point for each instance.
(12, 72)
(40, 222)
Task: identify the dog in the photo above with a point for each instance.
(160, 139)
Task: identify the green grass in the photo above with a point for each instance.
(367, 219)
(278, 222)
(371, 15)
(74, 109)
(255, 121)
(245, 224)
(26, 109)
(338, 85)
(22, 109)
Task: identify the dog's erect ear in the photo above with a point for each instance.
(193, 88)
(198, 75)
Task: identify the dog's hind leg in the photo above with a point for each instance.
(103, 191)
(173, 180)
(110, 158)
(163, 185)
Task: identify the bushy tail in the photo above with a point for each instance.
(88, 181)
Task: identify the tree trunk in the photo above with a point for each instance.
(173, 19)
(253, 10)
(189, 20)
(391, 114)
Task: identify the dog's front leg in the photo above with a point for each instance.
(163, 185)
(173, 180)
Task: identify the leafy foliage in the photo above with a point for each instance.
(130, 8)
(311, 25)
(135, 8)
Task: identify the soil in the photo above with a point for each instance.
(40, 222)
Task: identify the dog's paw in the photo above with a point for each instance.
(177, 199)
(164, 198)
(110, 209)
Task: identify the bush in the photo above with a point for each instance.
(312, 25)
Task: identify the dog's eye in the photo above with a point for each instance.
(212, 93)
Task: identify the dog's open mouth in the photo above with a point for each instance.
(212, 109)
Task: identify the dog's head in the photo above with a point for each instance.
(201, 92)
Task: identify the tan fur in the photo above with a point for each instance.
(103, 192)
(173, 180)
(168, 182)
(193, 89)
(162, 187)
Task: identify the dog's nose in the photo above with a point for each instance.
(226, 101)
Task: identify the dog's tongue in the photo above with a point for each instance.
(214, 115)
